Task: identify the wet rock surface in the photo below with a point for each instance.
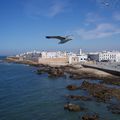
(56, 72)
(78, 97)
(73, 87)
(90, 117)
(101, 92)
(79, 73)
(114, 108)
(73, 107)
(52, 71)
(115, 81)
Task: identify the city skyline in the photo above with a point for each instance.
(25, 23)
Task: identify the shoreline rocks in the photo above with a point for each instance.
(52, 71)
(78, 97)
(90, 117)
(74, 71)
(101, 92)
(72, 87)
(114, 108)
(73, 107)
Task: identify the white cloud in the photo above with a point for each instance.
(101, 31)
(93, 18)
(56, 9)
(48, 8)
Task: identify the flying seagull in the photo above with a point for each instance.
(61, 38)
(105, 3)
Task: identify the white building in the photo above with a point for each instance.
(57, 54)
(81, 57)
(112, 56)
(109, 56)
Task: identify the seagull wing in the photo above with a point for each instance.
(56, 37)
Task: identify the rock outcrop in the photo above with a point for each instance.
(114, 108)
(56, 72)
(73, 107)
(101, 92)
(78, 97)
(90, 117)
(72, 87)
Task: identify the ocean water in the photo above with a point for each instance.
(24, 95)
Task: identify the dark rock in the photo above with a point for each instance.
(90, 117)
(78, 97)
(72, 87)
(114, 108)
(56, 72)
(112, 81)
(73, 107)
(101, 92)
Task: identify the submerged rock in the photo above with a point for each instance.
(78, 97)
(72, 87)
(90, 117)
(52, 71)
(73, 107)
(114, 108)
(56, 72)
(100, 92)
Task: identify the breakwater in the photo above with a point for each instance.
(108, 70)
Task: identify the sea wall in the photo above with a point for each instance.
(49, 61)
(113, 72)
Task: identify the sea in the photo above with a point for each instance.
(24, 95)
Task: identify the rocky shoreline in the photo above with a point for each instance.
(79, 73)
(99, 92)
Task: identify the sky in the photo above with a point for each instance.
(93, 24)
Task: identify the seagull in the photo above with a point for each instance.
(105, 3)
(61, 38)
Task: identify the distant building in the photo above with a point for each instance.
(77, 58)
(93, 56)
(56, 58)
(57, 54)
(73, 59)
(32, 56)
(108, 56)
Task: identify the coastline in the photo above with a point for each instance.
(75, 71)
(98, 91)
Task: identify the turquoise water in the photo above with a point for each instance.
(24, 95)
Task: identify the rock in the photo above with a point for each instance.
(72, 87)
(114, 108)
(90, 117)
(78, 97)
(73, 107)
(56, 72)
(40, 72)
(100, 92)
(112, 81)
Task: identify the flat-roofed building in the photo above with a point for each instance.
(110, 56)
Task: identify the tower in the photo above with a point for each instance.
(80, 52)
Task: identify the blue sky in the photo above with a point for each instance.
(94, 25)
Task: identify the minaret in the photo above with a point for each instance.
(80, 52)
